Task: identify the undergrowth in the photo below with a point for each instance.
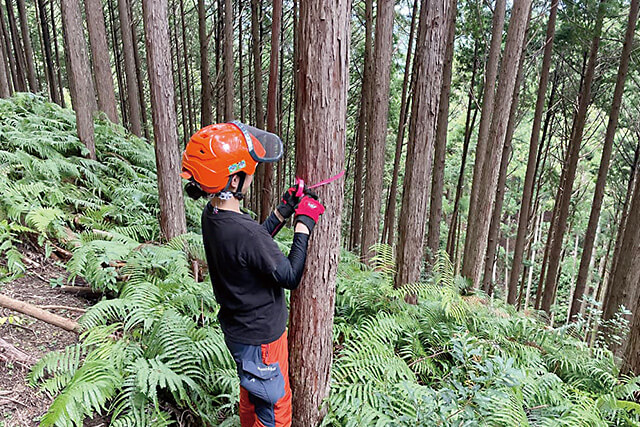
(153, 354)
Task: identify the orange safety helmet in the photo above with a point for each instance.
(218, 151)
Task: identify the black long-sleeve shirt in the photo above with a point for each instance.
(248, 273)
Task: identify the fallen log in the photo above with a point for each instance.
(79, 290)
(38, 313)
(8, 351)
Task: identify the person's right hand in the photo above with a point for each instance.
(288, 203)
(308, 211)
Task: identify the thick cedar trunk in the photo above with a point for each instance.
(139, 77)
(48, 56)
(130, 68)
(206, 111)
(598, 194)
(494, 228)
(469, 124)
(361, 131)
(389, 227)
(272, 105)
(437, 181)
(100, 55)
(18, 51)
(573, 154)
(527, 192)
(481, 208)
(430, 50)
(82, 94)
(377, 127)
(473, 255)
(323, 69)
(631, 356)
(156, 29)
(228, 61)
(28, 49)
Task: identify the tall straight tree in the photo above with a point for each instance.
(28, 49)
(257, 61)
(472, 257)
(573, 154)
(228, 61)
(480, 212)
(427, 69)
(80, 82)
(377, 127)
(598, 194)
(527, 192)
(206, 110)
(388, 232)
(361, 132)
(18, 51)
(100, 55)
(130, 68)
(48, 55)
(437, 180)
(156, 28)
(57, 51)
(5, 84)
(272, 104)
(323, 80)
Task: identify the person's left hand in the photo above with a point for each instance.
(288, 203)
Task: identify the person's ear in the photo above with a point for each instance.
(235, 181)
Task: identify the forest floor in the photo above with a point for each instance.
(20, 404)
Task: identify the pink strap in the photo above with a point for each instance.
(328, 180)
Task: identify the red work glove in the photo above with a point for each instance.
(308, 211)
(288, 203)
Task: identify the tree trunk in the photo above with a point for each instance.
(28, 49)
(390, 218)
(100, 55)
(361, 131)
(437, 181)
(206, 113)
(18, 51)
(82, 94)
(430, 50)
(257, 61)
(473, 254)
(631, 356)
(187, 73)
(572, 160)
(48, 56)
(228, 61)
(172, 215)
(377, 127)
(323, 60)
(139, 78)
(527, 192)
(130, 68)
(58, 66)
(537, 234)
(468, 129)
(598, 194)
(5, 84)
(272, 106)
(482, 205)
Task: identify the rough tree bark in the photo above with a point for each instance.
(430, 49)
(437, 181)
(48, 55)
(272, 105)
(527, 192)
(80, 82)
(361, 131)
(473, 256)
(156, 29)
(5, 85)
(323, 58)
(206, 110)
(130, 68)
(28, 49)
(601, 181)
(228, 61)
(100, 55)
(573, 155)
(377, 127)
(18, 51)
(481, 209)
(388, 231)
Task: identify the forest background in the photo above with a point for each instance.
(508, 132)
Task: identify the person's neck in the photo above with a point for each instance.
(227, 205)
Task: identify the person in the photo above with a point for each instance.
(248, 271)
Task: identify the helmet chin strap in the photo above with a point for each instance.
(226, 194)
